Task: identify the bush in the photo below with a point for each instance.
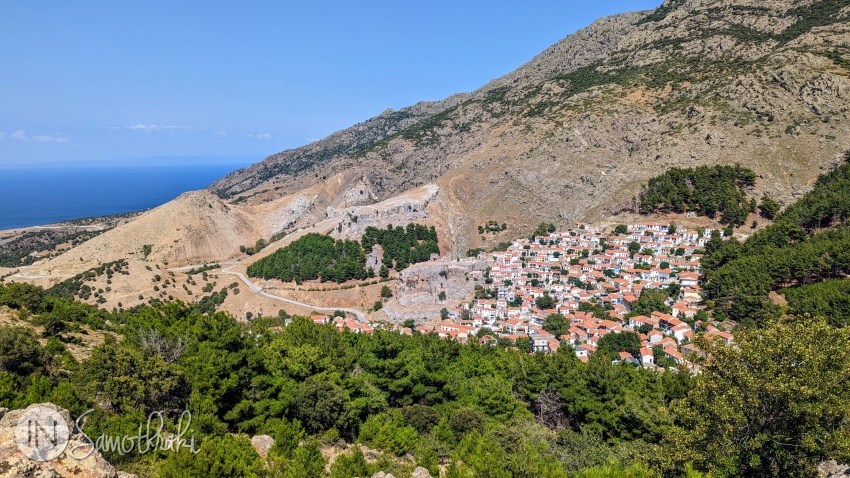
(465, 420)
(20, 352)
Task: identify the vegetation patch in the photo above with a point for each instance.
(793, 251)
(316, 256)
(24, 250)
(706, 190)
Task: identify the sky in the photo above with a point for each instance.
(130, 81)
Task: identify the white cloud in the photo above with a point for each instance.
(49, 139)
(143, 127)
(256, 136)
(221, 134)
(2, 135)
(156, 127)
(21, 135)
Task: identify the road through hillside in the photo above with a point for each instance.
(360, 316)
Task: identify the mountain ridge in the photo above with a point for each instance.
(693, 82)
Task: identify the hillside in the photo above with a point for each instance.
(196, 227)
(572, 134)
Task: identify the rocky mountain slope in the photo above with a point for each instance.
(571, 135)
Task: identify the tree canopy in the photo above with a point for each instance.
(706, 190)
(775, 405)
(316, 256)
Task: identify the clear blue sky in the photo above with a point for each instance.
(121, 80)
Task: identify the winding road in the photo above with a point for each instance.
(360, 316)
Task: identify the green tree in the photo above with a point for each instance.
(524, 343)
(18, 295)
(386, 292)
(224, 456)
(466, 420)
(774, 405)
(651, 300)
(127, 377)
(634, 247)
(421, 417)
(20, 352)
(545, 302)
(307, 462)
(621, 229)
(350, 465)
(556, 324)
(598, 310)
(287, 435)
(612, 344)
(321, 405)
(769, 208)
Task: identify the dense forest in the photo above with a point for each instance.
(311, 257)
(468, 410)
(706, 190)
(316, 256)
(808, 243)
(403, 246)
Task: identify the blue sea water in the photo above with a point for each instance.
(45, 195)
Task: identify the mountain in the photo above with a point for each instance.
(571, 135)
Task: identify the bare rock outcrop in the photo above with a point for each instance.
(401, 210)
(421, 472)
(14, 463)
(423, 289)
(262, 443)
(832, 469)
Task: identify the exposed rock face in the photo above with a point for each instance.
(14, 464)
(832, 469)
(420, 472)
(288, 214)
(375, 258)
(398, 211)
(262, 443)
(418, 288)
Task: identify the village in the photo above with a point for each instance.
(591, 279)
(607, 271)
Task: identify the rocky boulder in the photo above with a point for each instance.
(72, 457)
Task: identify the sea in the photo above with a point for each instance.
(48, 194)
